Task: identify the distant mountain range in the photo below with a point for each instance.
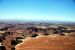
(37, 22)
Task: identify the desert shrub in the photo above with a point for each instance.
(12, 48)
(46, 34)
(62, 34)
(1, 40)
(34, 35)
(18, 41)
(2, 48)
(19, 38)
(13, 42)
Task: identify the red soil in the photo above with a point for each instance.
(49, 43)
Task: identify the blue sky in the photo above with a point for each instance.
(60, 10)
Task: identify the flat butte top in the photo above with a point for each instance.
(53, 42)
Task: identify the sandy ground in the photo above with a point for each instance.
(51, 42)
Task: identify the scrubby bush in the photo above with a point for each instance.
(34, 35)
(13, 42)
(46, 34)
(2, 48)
